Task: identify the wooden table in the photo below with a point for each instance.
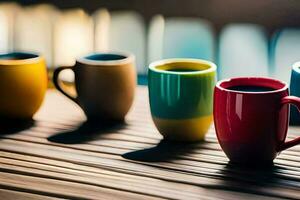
(59, 155)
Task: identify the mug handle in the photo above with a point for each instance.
(296, 102)
(57, 84)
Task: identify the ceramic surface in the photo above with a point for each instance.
(181, 101)
(251, 126)
(105, 85)
(295, 91)
(23, 83)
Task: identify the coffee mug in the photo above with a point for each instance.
(180, 95)
(105, 84)
(251, 116)
(295, 90)
(23, 83)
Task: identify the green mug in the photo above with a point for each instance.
(181, 97)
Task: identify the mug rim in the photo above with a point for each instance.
(129, 58)
(153, 66)
(35, 58)
(282, 86)
(296, 67)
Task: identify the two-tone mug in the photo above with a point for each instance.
(251, 116)
(105, 84)
(180, 94)
(23, 84)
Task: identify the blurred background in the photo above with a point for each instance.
(243, 38)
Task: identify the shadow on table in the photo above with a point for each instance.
(164, 151)
(260, 176)
(11, 126)
(87, 131)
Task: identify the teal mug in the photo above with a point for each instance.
(295, 91)
(181, 97)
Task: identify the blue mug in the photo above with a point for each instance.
(295, 91)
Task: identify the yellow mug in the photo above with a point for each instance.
(23, 83)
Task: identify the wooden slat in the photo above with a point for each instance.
(179, 176)
(185, 190)
(60, 189)
(17, 195)
(62, 156)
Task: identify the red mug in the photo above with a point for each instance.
(251, 116)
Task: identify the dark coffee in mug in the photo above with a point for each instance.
(105, 57)
(183, 70)
(250, 88)
(17, 56)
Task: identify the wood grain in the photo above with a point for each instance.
(60, 155)
(17, 195)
